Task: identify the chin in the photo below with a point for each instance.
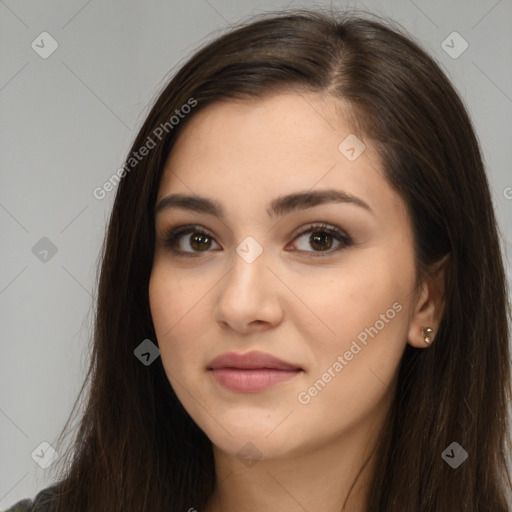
(249, 449)
(252, 435)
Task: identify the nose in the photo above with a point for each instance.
(248, 297)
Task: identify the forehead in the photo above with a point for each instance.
(238, 150)
(283, 130)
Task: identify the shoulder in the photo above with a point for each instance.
(41, 503)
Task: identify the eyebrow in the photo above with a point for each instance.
(279, 207)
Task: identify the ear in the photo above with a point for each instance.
(429, 306)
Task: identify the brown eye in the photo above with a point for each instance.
(321, 238)
(197, 240)
(200, 241)
(321, 242)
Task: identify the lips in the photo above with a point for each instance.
(252, 372)
(250, 361)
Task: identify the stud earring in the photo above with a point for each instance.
(426, 333)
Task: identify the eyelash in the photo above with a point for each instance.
(172, 236)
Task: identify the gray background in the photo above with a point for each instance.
(67, 123)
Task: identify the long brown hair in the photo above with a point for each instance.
(137, 449)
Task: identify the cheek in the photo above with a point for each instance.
(172, 296)
(179, 320)
(366, 310)
(177, 309)
(351, 301)
(354, 370)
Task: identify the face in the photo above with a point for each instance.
(271, 263)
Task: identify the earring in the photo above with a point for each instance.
(426, 333)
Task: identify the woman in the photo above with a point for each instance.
(304, 229)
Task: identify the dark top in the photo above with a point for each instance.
(40, 503)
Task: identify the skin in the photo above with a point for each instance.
(289, 302)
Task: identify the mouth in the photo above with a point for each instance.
(252, 372)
